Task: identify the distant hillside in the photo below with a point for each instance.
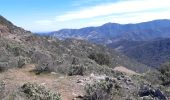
(123, 45)
(152, 53)
(138, 41)
(110, 32)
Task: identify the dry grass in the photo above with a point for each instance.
(66, 86)
(125, 70)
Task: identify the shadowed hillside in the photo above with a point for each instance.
(152, 53)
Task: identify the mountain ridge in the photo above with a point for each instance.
(110, 32)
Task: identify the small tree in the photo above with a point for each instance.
(76, 70)
(100, 58)
(165, 70)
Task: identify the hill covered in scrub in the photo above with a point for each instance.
(152, 53)
(111, 32)
(19, 47)
(34, 67)
(146, 42)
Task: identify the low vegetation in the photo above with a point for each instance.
(165, 70)
(102, 90)
(100, 58)
(76, 70)
(38, 92)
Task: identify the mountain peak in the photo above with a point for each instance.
(110, 24)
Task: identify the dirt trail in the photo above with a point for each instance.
(66, 86)
(124, 70)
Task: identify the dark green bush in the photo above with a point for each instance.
(38, 92)
(76, 70)
(102, 90)
(100, 58)
(165, 70)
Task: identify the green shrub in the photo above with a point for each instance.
(76, 70)
(2, 89)
(165, 70)
(100, 58)
(38, 92)
(23, 61)
(102, 90)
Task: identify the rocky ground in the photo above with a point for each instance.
(122, 86)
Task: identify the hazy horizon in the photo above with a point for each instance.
(53, 15)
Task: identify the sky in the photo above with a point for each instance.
(53, 15)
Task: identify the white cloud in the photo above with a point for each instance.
(124, 11)
(131, 18)
(44, 22)
(124, 6)
(143, 17)
(78, 3)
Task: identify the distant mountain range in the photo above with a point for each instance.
(111, 32)
(145, 42)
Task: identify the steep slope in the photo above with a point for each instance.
(111, 32)
(152, 53)
(19, 47)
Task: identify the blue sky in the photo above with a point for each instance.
(51, 15)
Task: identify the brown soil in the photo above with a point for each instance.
(124, 70)
(66, 86)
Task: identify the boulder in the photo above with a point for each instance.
(146, 90)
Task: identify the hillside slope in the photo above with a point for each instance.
(152, 53)
(110, 32)
(19, 47)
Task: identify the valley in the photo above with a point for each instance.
(146, 42)
(75, 67)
